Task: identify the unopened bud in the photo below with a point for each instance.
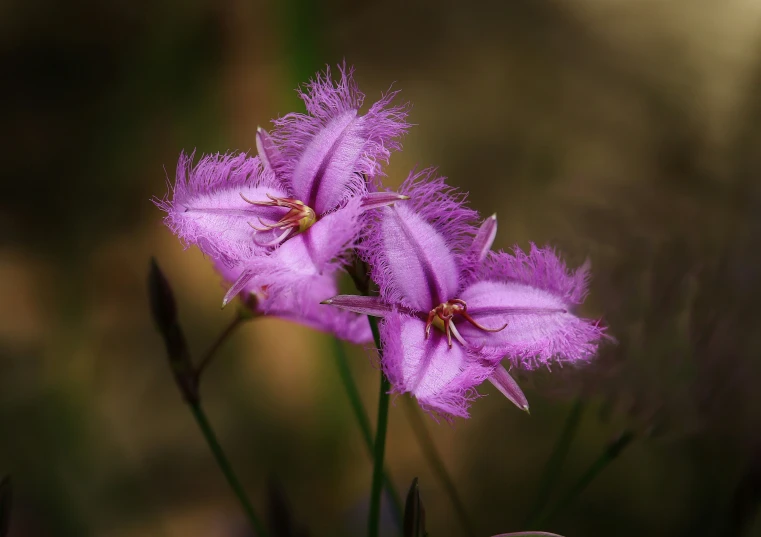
(414, 513)
(163, 306)
(164, 311)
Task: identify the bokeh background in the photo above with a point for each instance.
(626, 131)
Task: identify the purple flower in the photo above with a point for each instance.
(286, 217)
(214, 210)
(304, 306)
(452, 309)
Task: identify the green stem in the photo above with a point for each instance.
(373, 520)
(224, 465)
(557, 459)
(437, 464)
(187, 376)
(364, 424)
(239, 319)
(611, 453)
(208, 432)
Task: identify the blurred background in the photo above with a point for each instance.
(626, 131)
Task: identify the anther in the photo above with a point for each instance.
(442, 317)
(298, 219)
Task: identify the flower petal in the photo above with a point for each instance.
(325, 172)
(325, 242)
(540, 328)
(301, 304)
(418, 260)
(413, 248)
(442, 378)
(509, 388)
(329, 152)
(366, 305)
(207, 208)
(319, 250)
(540, 268)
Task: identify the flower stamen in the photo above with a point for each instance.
(298, 219)
(277, 240)
(442, 318)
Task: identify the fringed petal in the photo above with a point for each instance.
(442, 378)
(413, 247)
(301, 304)
(540, 328)
(420, 267)
(325, 172)
(329, 152)
(540, 268)
(207, 206)
(443, 206)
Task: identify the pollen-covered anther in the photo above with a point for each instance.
(442, 317)
(298, 219)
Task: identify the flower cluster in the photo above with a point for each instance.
(278, 227)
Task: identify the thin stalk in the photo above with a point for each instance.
(364, 424)
(373, 520)
(611, 453)
(226, 468)
(188, 376)
(437, 464)
(557, 459)
(239, 319)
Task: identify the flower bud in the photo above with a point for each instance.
(164, 311)
(414, 513)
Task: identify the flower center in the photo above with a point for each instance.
(298, 219)
(442, 317)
